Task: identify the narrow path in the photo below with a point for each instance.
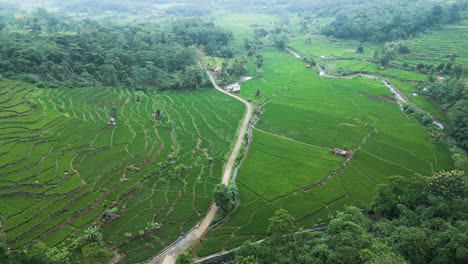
(169, 255)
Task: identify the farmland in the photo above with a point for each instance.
(436, 46)
(431, 48)
(290, 163)
(63, 168)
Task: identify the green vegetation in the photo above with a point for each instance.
(290, 164)
(411, 220)
(94, 53)
(119, 147)
(144, 182)
(87, 248)
(385, 20)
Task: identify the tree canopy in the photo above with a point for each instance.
(94, 53)
(411, 220)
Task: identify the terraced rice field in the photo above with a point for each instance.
(435, 47)
(290, 163)
(62, 168)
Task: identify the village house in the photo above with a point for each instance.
(234, 88)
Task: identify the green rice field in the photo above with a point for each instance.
(290, 163)
(436, 46)
(63, 168)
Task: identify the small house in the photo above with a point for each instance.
(112, 122)
(217, 69)
(308, 66)
(440, 79)
(234, 88)
(342, 152)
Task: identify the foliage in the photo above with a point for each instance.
(139, 56)
(458, 126)
(185, 258)
(386, 21)
(419, 220)
(79, 250)
(281, 224)
(451, 96)
(225, 197)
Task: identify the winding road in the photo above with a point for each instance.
(169, 255)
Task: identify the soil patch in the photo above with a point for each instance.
(384, 98)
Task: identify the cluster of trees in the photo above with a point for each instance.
(6, 14)
(449, 68)
(213, 39)
(411, 220)
(390, 51)
(452, 96)
(188, 10)
(225, 197)
(389, 21)
(98, 7)
(137, 56)
(87, 248)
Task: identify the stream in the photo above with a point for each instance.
(399, 96)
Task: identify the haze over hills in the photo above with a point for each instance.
(165, 131)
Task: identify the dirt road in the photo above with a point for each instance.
(169, 255)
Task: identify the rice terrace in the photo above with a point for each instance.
(233, 131)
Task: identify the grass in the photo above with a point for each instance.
(291, 155)
(62, 167)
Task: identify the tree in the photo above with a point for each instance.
(92, 234)
(282, 223)
(225, 197)
(458, 125)
(458, 71)
(260, 74)
(113, 112)
(249, 260)
(108, 74)
(360, 49)
(280, 41)
(258, 94)
(94, 253)
(450, 185)
(185, 258)
(158, 114)
(259, 60)
(375, 57)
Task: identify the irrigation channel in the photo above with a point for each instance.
(399, 96)
(169, 254)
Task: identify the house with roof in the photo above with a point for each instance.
(234, 88)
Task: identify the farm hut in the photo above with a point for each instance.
(217, 69)
(425, 90)
(440, 79)
(308, 66)
(234, 88)
(112, 122)
(342, 152)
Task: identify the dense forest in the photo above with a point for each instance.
(386, 21)
(452, 97)
(416, 220)
(58, 51)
